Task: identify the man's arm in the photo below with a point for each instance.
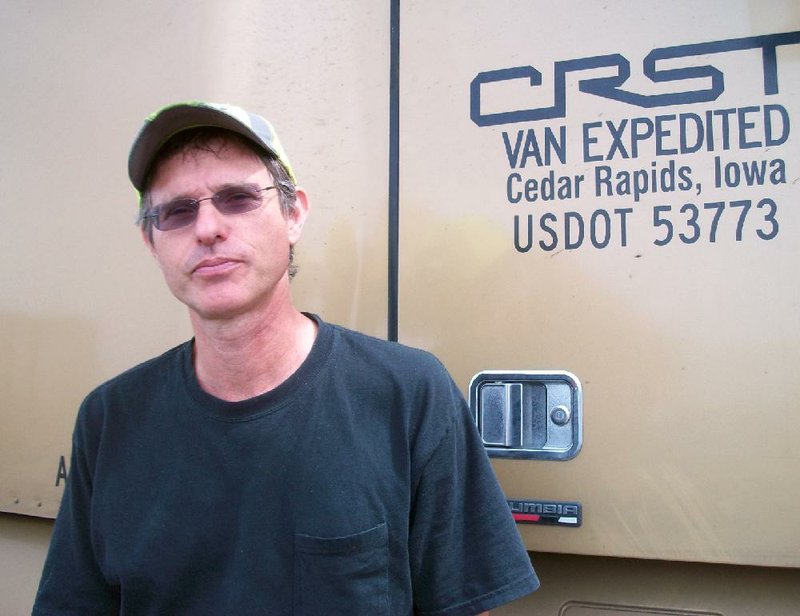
(472, 558)
(72, 581)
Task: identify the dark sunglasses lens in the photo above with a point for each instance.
(183, 212)
(176, 214)
(237, 200)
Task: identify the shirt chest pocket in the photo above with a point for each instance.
(342, 575)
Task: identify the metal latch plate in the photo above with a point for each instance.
(528, 414)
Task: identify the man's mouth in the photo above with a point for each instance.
(214, 266)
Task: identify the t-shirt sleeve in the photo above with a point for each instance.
(72, 582)
(465, 551)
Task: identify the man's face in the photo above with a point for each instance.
(223, 266)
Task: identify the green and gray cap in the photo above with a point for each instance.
(165, 123)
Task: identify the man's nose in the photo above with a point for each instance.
(210, 225)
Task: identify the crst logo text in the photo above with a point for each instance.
(611, 87)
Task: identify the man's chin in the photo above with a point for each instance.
(222, 309)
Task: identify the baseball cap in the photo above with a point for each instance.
(166, 122)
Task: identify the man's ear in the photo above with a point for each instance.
(296, 218)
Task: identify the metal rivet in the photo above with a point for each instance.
(560, 415)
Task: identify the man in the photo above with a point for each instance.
(275, 464)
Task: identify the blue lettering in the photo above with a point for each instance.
(587, 141)
(770, 139)
(616, 135)
(518, 154)
(684, 132)
(744, 125)
(512, 153)
(569, 243)
(593, 225)
(662, 133)
(549, 216)
(638, 135)
(559, 146)
(611, 87)
(517, 245)
(514, 195)
(725, 114)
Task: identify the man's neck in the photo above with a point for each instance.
(243, 357)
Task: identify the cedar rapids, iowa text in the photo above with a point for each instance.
(665, 135)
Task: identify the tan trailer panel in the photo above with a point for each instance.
(602, 586)
(688, 350)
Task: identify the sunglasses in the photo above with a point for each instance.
(182, 212)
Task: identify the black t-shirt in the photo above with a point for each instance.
(358, 486)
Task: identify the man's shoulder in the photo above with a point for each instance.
(378, 353)
(147, 374)
(122, 401)
(412, 378)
